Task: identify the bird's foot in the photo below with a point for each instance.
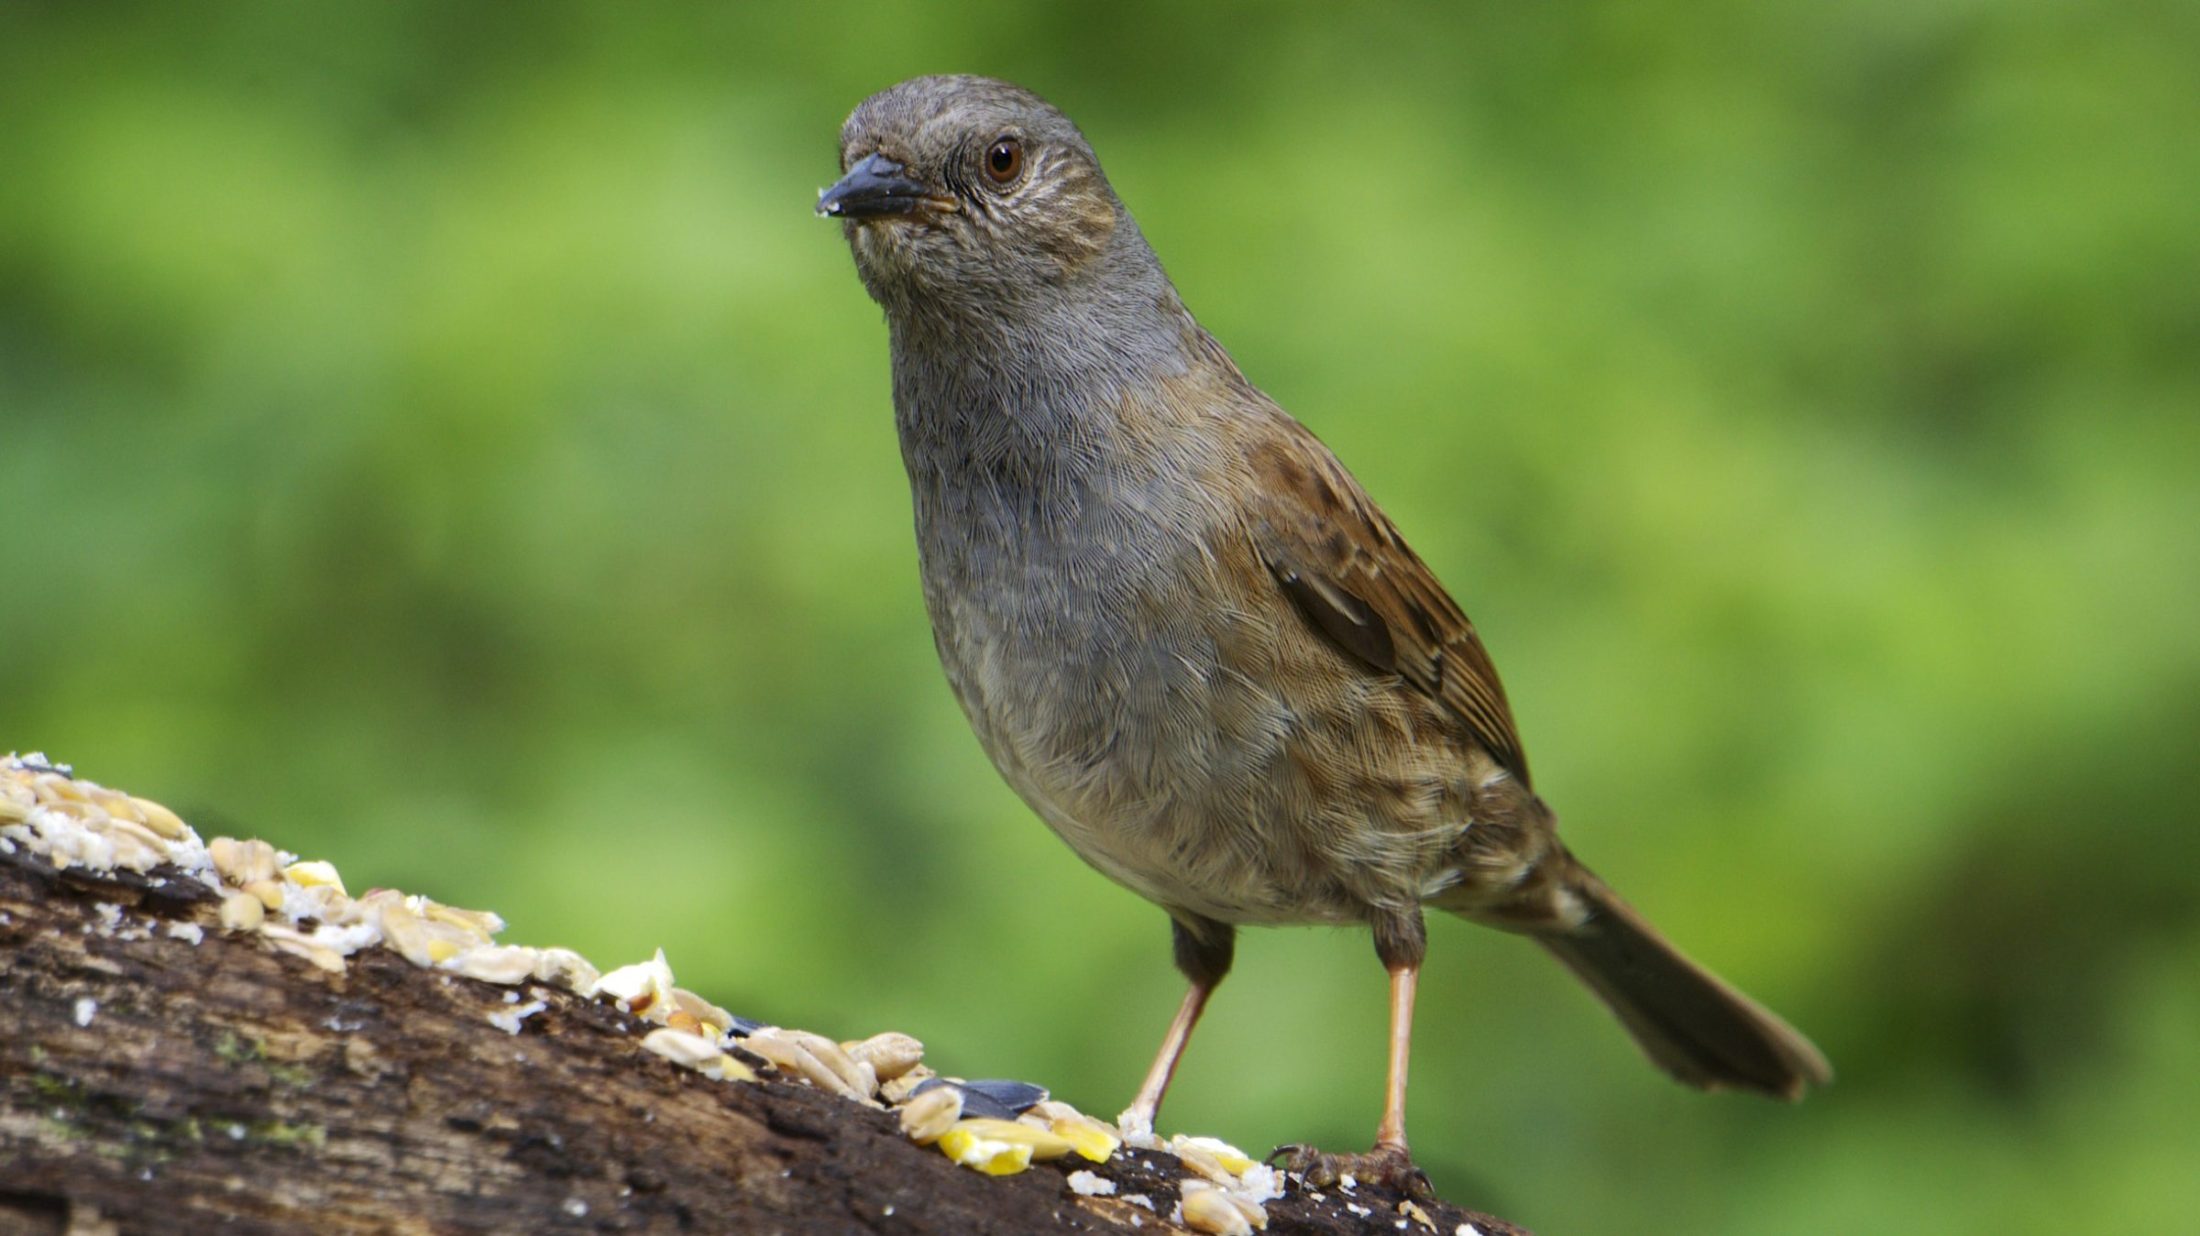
(1389, 1166)
(1136, 1128)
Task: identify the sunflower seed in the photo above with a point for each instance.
(991, 1097)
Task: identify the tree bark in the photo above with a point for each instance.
(157, 1083)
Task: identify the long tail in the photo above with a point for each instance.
(1686, 1019)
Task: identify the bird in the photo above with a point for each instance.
(1184, 633)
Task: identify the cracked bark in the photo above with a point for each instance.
(149, 1084)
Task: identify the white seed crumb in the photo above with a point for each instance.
(510, 1020)
(1139, 1199)
(575, 1207)
(1260, 1183)
(1137, 1134)
(236, 1132)
(86, 1008)
(565, 968)
(1088, 1184)
(1358, 1209)
(1347, 1182)
(1466, 1229)
(189, 933)
(643, 989)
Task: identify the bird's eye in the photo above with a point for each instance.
(1004, 159)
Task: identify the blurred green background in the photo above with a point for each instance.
(438, 438)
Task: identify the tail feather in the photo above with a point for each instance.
(1686, 1019)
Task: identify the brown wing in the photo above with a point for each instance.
(1352, 577)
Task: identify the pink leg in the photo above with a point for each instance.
(1401, 944)
(1391, 1133)
(1139, 1117)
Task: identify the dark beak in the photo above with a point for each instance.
(874, 187)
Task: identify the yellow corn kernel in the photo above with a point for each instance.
(994, 1158)
(1087, 1136)
(1045, 1146)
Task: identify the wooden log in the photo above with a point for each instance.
(164, 1076)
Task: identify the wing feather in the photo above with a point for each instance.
(1353, 579)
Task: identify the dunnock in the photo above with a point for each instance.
(1183, 632)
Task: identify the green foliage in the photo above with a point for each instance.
(438, 438)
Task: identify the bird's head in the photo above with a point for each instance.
(970, 191)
